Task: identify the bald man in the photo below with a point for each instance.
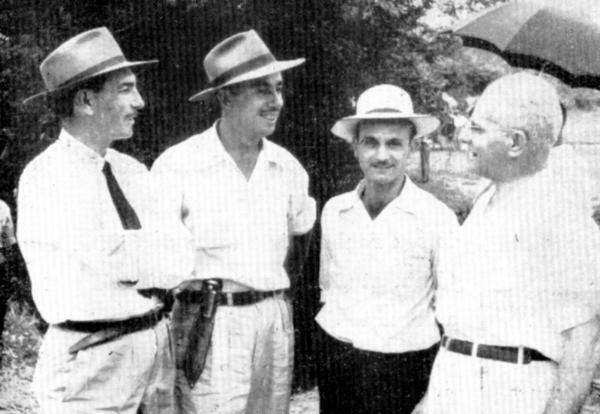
(518, 291)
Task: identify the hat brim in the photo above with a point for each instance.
(345, 128)
(122, 65)
(277, 66)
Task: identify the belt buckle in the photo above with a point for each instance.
(446, 341)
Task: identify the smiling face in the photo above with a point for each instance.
(488, 148)
(116, 106)
(382, 149)
(254, 106)
(513, 125)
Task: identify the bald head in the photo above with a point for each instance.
(528, 109)
(524, 101)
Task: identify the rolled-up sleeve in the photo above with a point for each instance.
(303, 210)
(570, 248)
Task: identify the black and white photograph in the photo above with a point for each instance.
(300, 206)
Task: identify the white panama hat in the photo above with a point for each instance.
(384, 102)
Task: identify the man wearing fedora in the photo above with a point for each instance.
(97, 247)
(378, 253)
(518, 290)
(246, 201)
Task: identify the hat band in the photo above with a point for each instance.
(92, 70)
(244, 67)
(383, 110)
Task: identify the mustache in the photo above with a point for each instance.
(382, 164)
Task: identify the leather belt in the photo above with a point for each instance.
(138, 323)
(231, 298)
(515, 355)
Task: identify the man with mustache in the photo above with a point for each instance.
(518, 292)
(98, 249)
(378, 254)
(246, 201)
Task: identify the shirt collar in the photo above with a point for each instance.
(408, 200)
(215, 152)
(80, 150)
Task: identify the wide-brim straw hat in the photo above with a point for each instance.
(384, 102)
(239, 58)
(89, 54)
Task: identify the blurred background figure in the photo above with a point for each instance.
(7, 250)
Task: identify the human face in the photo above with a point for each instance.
(255, 106)
(116, 106)
(488, 147)
(382, 150)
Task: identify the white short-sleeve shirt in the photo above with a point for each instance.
(524, 266)
(241, 227)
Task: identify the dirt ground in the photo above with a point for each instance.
(449, 181)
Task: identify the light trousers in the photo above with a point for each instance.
(249, 366)
(130, 375)
(461, 384)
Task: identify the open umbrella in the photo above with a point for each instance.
(538, 36)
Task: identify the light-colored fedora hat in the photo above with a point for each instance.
(91, 53)
(383, 102)
(241, 57)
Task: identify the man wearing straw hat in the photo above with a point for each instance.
(97, 247)
(246, 201)
(518, 289)
(378, 253)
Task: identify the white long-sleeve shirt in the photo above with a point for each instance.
(377, 275)
(83, 265)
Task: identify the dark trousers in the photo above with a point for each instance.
(353, 381)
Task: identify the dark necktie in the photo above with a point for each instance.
(129, 219)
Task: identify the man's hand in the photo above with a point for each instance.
(194, 284)
(576, 368)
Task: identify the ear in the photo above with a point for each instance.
(83, 102)
(519, 141)
(354, 145)
(415, 143)
(223, 97)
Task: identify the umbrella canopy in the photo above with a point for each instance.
(537, 36)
